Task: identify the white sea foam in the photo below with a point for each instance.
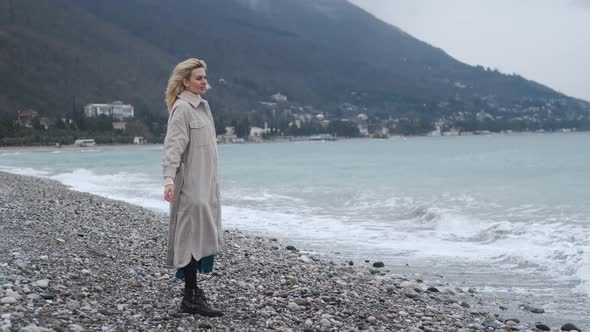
(6, 154)
(24, 171)
(554, 248)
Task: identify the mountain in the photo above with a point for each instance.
(329, 55)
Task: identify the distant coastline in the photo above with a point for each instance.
(296, 139)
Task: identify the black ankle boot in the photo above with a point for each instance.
(195, 302)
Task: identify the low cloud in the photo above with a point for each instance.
(581, 3)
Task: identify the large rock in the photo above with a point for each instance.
(570, 327)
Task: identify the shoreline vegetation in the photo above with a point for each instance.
(72, 261)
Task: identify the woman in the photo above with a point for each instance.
(191, 182)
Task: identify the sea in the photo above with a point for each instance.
(506, 214)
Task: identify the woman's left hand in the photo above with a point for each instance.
(169, 193)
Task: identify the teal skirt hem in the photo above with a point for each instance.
(204, 265)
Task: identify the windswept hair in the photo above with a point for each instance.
(181, 71)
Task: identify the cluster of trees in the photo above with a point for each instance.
(13, 135)
(66, 132)
(280, 124)
(101, 128)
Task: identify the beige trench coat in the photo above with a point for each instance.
(190, 158)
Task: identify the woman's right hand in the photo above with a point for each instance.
(169, 193)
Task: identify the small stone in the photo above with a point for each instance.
(372, 319)
(5, 316)
(465, 305)
(11, 293)
(471, 290)
(350, 263)
(458, 324)
(73, 305)
(44, 257)
(33, 296)
(20, 264)
(378, 264)
(293, 306)
(47, 296)
(44, 283)
(75, 328)
(8, 300)
(411, 293)
(408, 284)
(511, 324)
(60, 240)
(457, 306)
(570, 327)
(304, 259)
(30, 328)
(292, 248)
(205, 325)
(534, 310)
(433, 290)
(542, 327)
(300, 301)
(309, 322)
(85, 271)
(515, 320)
(325, 323)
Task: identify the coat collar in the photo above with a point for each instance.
(191, 98)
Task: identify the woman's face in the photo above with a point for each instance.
(197, 82)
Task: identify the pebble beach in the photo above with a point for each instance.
(71, 261)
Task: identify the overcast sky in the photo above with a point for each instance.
(547, 41)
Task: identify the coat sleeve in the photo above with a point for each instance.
(177, 138)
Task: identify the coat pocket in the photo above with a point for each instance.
(200, 134)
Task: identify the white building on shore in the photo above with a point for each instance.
(116, 110)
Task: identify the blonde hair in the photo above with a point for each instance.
(181, 71)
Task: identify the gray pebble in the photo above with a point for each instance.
(8, 300)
